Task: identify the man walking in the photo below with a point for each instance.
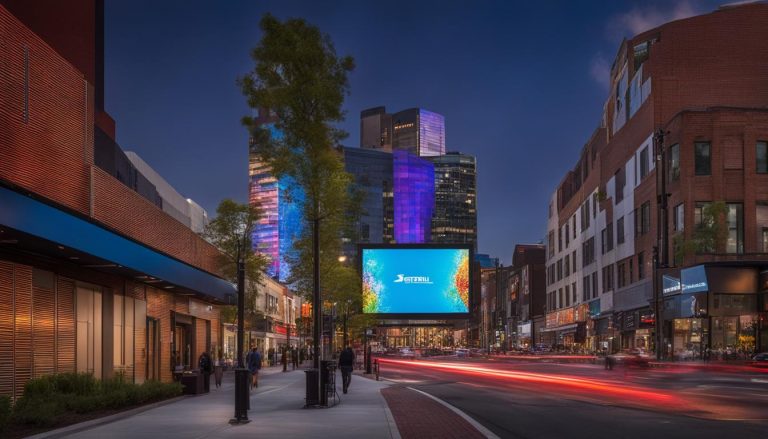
(254, 365)
(346, 364)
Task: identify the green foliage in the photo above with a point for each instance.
(5, 411)
(300, 79)
(709, 235)
(231, 233)
(47, 398)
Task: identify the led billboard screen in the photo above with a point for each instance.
(416, 280)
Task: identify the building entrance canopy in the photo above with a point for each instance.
(49, 230)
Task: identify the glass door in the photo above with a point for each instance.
(152, 348)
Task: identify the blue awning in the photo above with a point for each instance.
(38, 219)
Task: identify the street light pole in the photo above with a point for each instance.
(661, 250)
(241, 373)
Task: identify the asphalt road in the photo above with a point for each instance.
(517, 399)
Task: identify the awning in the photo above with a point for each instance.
(46, 223)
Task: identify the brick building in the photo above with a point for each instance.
(94, 276)
(701, 83)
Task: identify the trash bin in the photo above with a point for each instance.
(312, 396)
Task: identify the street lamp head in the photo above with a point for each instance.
(342, 258)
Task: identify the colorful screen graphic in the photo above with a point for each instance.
(415, 280)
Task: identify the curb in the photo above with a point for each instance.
(86, 425)
(479, 427)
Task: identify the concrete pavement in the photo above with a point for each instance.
(276, 412)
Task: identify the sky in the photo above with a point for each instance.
(521, 85)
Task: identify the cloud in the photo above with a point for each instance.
(600, 70)
(640, 19)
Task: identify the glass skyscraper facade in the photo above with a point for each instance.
(414, 197)
(418, 131)
(455, 217)
(280, 202)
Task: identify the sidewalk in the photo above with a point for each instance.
(276, 412)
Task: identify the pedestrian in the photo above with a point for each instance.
(271, 356)
(346, 364)
(218, 371)
(204, 363)
(254, 364)
(295, 357)
(284, 359)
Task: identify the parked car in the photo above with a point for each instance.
(541, 347)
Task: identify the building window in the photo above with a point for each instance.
(761, 216)
(703, 158)
(588, 251)
(573, 226)
(630, 265)
(585, 289)
(567, 295)
(559, 269)
(641, 54)
(594, 285)
(594, 205)
(735, 243)
(622, 275)
(573, 293)
(673, 158)
(573, 260)
(560, 298)
(679, 218)
(761, 155)
(567, 265)
(559, 240)
(620, 181)
(644, 168)
(641, 265)
(585, 215)
(620, 231)
(607, 278)
(567, 236)
(551, 242)
(643, 219)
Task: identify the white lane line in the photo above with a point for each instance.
(479, 427)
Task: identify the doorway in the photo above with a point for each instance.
(152, 349)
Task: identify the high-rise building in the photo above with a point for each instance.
(415, 130)
(280, 202)
(372, 173)
(634, 194)
(414, 197)
(376, 129)
(455, 216)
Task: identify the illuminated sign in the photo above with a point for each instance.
(694, 279)
(410, 279)
(670, 285)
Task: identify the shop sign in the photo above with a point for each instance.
(694, 279)
(582, 311)
(647, 319)
(514, 286)
(561, 317)
(670, 285)
(594, 308)
(629, 321)
(524, 330)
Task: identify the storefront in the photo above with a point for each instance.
(716, 309)
(637, 329)
(569, 327)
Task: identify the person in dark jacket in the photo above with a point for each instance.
(346, 364)
(254, 365)
(206, 367)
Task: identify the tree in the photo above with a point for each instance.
(300, 79)
(709, 235)
(231, 232)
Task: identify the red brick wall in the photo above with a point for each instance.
(119, 207)
(48, 154)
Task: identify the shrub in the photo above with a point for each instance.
(5, 410)
(39, 411)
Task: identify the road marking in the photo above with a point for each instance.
(479, 427)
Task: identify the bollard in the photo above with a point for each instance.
(376, 366)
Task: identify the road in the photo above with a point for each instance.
(522, 399)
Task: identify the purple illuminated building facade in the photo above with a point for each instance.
(416, 130)
(414, 197)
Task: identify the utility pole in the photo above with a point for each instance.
(661, 250)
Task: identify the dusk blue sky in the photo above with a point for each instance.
(521, 85)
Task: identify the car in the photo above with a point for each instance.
(462, 353)
(406, 352)
(627, 358)
(760, 359)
